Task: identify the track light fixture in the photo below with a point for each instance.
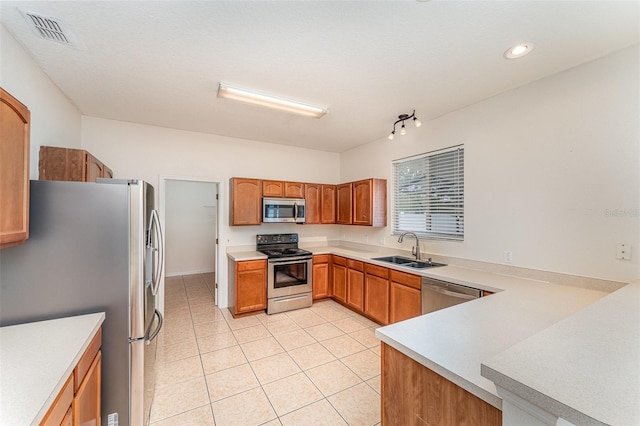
(403, 129)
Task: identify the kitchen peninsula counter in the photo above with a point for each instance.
(36, 359)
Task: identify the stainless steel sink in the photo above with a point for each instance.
(408, 262)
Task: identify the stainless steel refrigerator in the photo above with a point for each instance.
(94, 247)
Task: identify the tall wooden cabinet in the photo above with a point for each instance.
(14, 170)
(245, 201)
(70, 164)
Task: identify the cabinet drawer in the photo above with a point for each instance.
(87, 359)
(321, 258)
(355, 264)
(250, 265)
(378, 271)
(60, 406)
(337, 260)
(406, 279)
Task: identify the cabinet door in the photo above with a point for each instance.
(376, 303)
(320, 278)
(294, 190)
(61, 405)
(86, 403)
(14, 170)
(355, 288)
(405, 302)
(340, 282)
(251, 286)
(246, 201)
(344, 203)
(313, 198)
(94, 168)
(328, 214)
(362, 202)
(272, 188)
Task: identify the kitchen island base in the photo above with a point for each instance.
(412, 394)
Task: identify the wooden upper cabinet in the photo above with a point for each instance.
(343, 204)
(328, 212)
(14, 170)
(294, 189)
(272, 188)
(70, 164)
(313, 199)
(370, 202)
(246, 201)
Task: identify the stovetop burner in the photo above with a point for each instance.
(279, 245)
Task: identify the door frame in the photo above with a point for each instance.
(162, 210)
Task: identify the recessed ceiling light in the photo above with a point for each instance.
(253, 97)
(519, 50)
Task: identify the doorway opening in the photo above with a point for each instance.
(189, 213)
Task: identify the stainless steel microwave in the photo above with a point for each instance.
(290, 210)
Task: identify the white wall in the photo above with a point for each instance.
(546, 164)
(54, 119)
(190, 227)
(148, 152)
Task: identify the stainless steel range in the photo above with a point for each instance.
(289, 272)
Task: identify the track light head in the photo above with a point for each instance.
(401, 119)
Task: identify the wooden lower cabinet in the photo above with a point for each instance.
(355, 284)
(412, 394)
(78, 403)
(339, 279)
(376, 293)
(405, 299)
(321, 269)
(250, 286)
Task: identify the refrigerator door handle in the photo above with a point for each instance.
(151, 336)
(154, 226)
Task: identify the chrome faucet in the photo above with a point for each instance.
(414, 250)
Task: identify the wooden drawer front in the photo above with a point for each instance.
(250, 265)
(355, 264)
(337, 260)
(321, 258)
(60, 406)
(378, 271)
(87, 359)
(406, 279)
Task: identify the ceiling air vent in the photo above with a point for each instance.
(50, 28)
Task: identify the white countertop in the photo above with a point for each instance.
(585, 369)
(455, 342)
(36, 360)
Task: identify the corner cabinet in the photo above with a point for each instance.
(370, 202)
(246, 201)
(70, 164)
(14, 170)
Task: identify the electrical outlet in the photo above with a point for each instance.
(623, 251)
(508, 256)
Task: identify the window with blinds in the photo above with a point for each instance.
(428, 194)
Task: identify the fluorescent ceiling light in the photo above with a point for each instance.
(252, 97)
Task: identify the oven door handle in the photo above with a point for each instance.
(290, 260)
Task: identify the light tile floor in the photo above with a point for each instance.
(313, 366)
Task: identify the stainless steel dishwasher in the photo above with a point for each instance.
(438, 295)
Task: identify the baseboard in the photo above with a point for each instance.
(177, 274)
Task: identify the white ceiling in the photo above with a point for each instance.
(159, 63)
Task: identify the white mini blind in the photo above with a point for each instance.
(428, 194)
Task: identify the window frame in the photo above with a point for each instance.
(452, 228)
